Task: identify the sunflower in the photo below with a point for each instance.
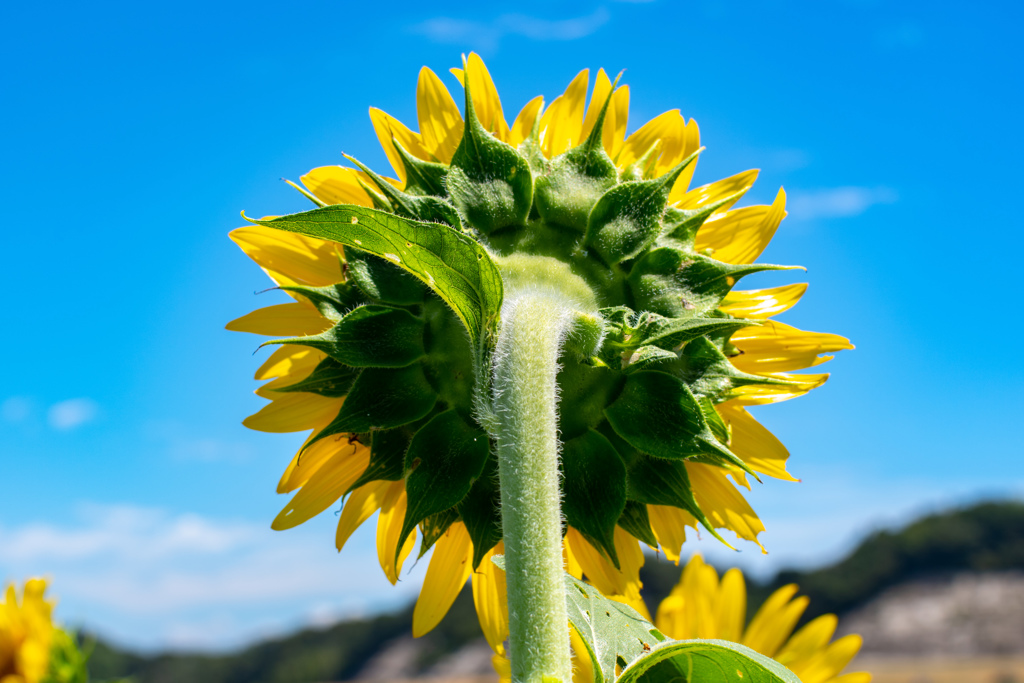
(26, 633)
(702, 606)
(654, 421)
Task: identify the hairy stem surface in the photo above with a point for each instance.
(533, 327)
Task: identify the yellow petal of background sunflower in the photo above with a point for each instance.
(716, 191)
(295, 258)
(723, 505)
(389, 527)
(669, 526)
(740, 235)
(760, 304)
(324, 488)
(359, 507)
(449, 568)
(282, 320)
(561, 124)
(830, 661)
(290, 361)
(491, 600)
(308, 460)
(808, 641)
(753, 443)
(731, 610)
(336, 185)
(440, 120)
(760, 394)
(523, 125)
(388, 127)
(768, 629)
(700, 585)
(294, 413)
(777, 347)
(859, 677)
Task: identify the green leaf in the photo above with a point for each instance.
(488, 180)
(433, 528)
(383, 280)
(636, 520)
(425, 208)
(627, 218)
(387, 457)
(329, 378)
(370, 336)
(594, 489)
(481, 512)
(657, 414)
(444, 458)
(677, 284)
(705, 661)
(626, 329)
(452, 264)
(615, 634)
(383, 398)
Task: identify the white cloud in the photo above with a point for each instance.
(16, 409)
(72, 413)
(486, 35)
(837, 202)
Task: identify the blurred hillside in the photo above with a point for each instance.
(950, 583)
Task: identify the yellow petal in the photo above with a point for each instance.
(859, 677)
(615, 126)
(449, 568)
(572, 565)
(617, 584)
(440, 121)
(582, 666)
(294, 413)
(485, 97)
(359, 507)
(602, 89)
(731, 611)
(830, 661)
(740, 235)
(324, 488)
(503, 667)
(676, 146)
(774, 621)
(760, 304)
(290, 361)
(723, 505)
(669, 526)
(523, 125)
(713, 192)
(777, 347)
(336, 185)
(700, 585)
(388, 127)
(290, 258)
(389, 528)
(669, 128)
(562, 123)
(760, 394)
(753, 443)
(812, 638)
(272, 389)
(309, 459)
(282, 320)
(491, 600)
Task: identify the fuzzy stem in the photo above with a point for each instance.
(533, 327)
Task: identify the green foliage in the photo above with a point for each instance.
(594, 484)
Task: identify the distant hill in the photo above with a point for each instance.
(983, 538)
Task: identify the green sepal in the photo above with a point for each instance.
(382, 280)
(627, 329)
(306, 193)
(681, 225)
(657, 414)
(330, 378)
(454, 265)
(708, 372)
(627, 218)
(444, 458)
(643, 167)
(593, 489)
(425, 208)
(379, 201)
(645, 358)
(387, 457)
(480, 511)
(383, 398)
(715, 422)
(488, 181)
(433, 528)
(369, 336)
(332, 301)
(653, 481)
(636, 520)
(676, 284)
(576, 180)
(422, 177)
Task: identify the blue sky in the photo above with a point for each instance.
(133, 134)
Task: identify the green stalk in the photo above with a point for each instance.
(534, 325)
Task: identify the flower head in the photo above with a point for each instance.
(26, 633)
(663, 361)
